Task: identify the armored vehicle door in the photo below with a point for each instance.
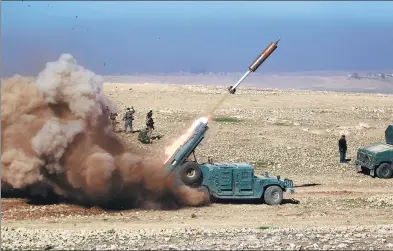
(224, 181)
(244, 182)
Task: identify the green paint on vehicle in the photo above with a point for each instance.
(225, 180)
(377, 158)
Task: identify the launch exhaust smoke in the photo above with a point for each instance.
(56, 138)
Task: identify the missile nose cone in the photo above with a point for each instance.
(277, 41)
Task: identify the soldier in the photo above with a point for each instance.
(142, 137)
(342, 146)
(113, 120)
(128, 118)
(149, 114)
(132, 110)
(132, 113)
(149, 123)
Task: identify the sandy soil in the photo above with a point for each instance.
(289, 133)
(315, 81)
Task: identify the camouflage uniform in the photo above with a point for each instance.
(149, 114)
(128, 118)
(149, 124)
(142, 137)
(113, 120)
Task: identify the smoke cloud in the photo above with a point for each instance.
(56, 138)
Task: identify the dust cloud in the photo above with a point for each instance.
(56, 138)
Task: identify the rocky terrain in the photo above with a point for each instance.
(289, 133)
(348, 238)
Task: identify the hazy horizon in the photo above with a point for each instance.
(120, 38)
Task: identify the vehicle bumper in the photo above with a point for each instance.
(289, 185)
(291, 190)
(358, 168)
(361, 166)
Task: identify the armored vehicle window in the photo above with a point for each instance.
(245, 175)
(226, 175)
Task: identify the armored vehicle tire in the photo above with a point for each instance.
(384, 171)
(273, 195)
(190, 173)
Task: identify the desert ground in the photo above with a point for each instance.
(289, 133)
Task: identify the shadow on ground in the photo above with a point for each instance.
(307, 185)
(166, 201)
(253, 202)
(50, 199)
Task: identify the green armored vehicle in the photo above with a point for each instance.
(377, 158)
(225, 180)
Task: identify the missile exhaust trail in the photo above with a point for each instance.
(252, 68)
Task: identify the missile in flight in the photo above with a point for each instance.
(255, 64)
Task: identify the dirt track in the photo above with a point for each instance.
(292, 134)
(325, 218)
(318, 205)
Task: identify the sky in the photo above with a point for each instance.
(123, 37)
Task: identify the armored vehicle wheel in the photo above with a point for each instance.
(273, 195)
(190, 173)
(385, 171)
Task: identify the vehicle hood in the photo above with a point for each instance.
(376, 148)
(224, 164)
(264, 177)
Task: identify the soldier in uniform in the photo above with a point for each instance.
(128, 118)
(149, 123)
(142, 137)
(342, 146)
(149, 114)
(113, 120)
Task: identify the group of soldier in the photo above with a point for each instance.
(128, 119)
(146, 135)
